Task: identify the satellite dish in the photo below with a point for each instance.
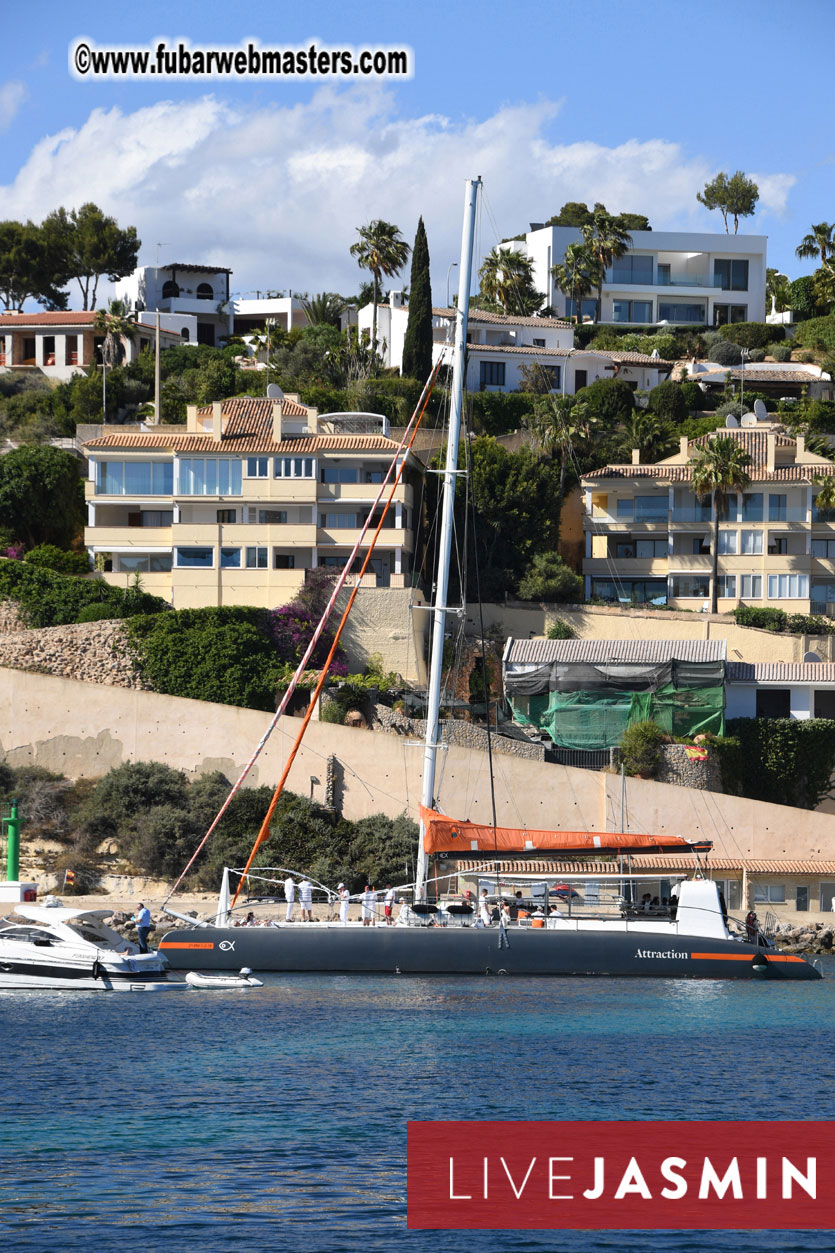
(655, 354)
(274, 392)
(807, 657)
(731, 421)
(760, 410)
(748, 419)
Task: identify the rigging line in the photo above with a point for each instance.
(340, 582)
(264, 832)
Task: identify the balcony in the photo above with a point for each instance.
(689, 563)
(792, 513)
(236, 534)
(390, 537)
(626, 567)
(364, 492)
(694, 514)
(138, 537)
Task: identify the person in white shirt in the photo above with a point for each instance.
(484, 909)
(369, 906)
(404, 914)
(344, 902)
(388, 904)
(306, 899)
(290, 897)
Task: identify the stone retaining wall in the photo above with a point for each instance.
(676, 767)
(94, 652)
(455, 731)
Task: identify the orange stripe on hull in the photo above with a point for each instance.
(743, 957)
(183, 944)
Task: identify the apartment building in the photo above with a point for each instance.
(648, 538)
(61, 344)
(502, 348)
(677, 278)
(233, 508)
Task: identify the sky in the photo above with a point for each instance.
(634, 104)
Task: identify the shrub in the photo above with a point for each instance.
(668, 401)
(803, 297)
(549, 578)
(640, 748)
(780, 352)
(499, 413)
(694, 397)
(728, 407)
(559, 630)
(785, 761)
(49, 599)
(751, 334)
(806, 356)
(49, 557)
(756, 354)
(725, 353)
(817, 333)
(610, 400)
(765, 619)
(98, 613)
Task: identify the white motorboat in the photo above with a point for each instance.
(223, 983)
(61, 949)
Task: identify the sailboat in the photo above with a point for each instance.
(616, 929)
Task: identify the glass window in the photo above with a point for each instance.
(752, 543)
(730, 275)
(678, 311)
(724, 315)
(727, 585)
(256, 467)
(773, 893)
(256, 558)
(801, 897)
(134, 478)
(625, 507)
(160, 562)
(230, 558)
(651, 507)
(632, 269)
(752, 507)
(203, 557)
(492, 373)
(270, 517)
(226, 515)
(776, 507)
(684, 585)
(631, 310)
(338, 521)
(728, 543)
(824, 548)
(650, 548)
(295, 468)
(284, 561)
(788, 586)
(373, 476)
(752, 587)
(580, 308)
(211, 476)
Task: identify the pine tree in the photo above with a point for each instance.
(417, 346)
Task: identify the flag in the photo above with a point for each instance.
(69, 876)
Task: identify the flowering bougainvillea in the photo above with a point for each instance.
(292, 626)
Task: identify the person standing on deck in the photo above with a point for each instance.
(344, 902)
(389, 905)
(290, 897)
(484, 909)
(369, 904)
(142, 918)
(306, 899)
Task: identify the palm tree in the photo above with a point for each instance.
(606, 240)
(825, 496)
(820, 241)
(555, 424)
(326, 309)
(577, 275)
(382, 250)
(717, 470)
(506, 278)
(116, 323)
(651, 434)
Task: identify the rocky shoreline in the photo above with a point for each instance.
(814, 937)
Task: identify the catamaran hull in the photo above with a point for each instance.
(321, 948)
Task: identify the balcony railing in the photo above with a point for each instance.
(692, 515)
(688, 280)
(792, 513)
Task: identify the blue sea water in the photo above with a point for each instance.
(276, 1119)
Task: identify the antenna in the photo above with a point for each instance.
(760, 410)
(749, 419)
(274, 392)
(160, 244)
(731, 421)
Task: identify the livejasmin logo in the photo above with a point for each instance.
(622, 1175)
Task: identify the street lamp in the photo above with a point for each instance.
(452, 265)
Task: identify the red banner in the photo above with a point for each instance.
(622, 1175)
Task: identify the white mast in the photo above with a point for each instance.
(445, 544)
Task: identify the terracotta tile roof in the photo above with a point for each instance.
(541, 651)
(500, 319)
(189, 266)
(781, 672)
(656, 861)
(81, 318)
(755, 443)
(244, 412)
(245, 443)
(633, 358)
(761, 376)
(527, 349)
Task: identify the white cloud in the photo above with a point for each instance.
(12, 96)
(277, 192)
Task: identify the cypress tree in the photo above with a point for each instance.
(417, 346)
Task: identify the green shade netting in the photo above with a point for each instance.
(598, 719)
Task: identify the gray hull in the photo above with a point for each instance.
(319, 948)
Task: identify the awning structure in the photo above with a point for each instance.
(447, 835)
